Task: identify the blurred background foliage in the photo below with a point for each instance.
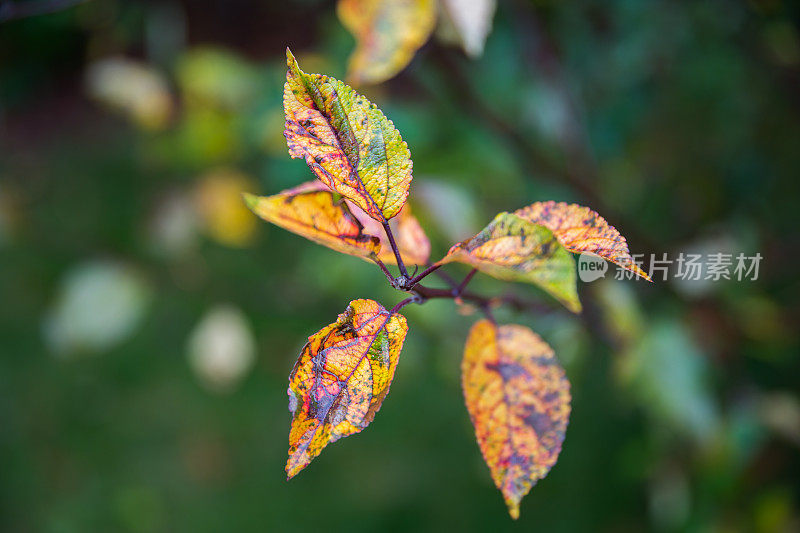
(149, 322)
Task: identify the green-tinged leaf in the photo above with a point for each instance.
(387, 32)
(582, 231)
(341, 378)
(513, 249)
(346, 141)
(518, 400)
(316, 213)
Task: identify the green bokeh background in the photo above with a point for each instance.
(679, 121)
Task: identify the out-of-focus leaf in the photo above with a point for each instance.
(472, 21)
(387, 32)
(99, 305)
(211, 76)
(513, 249)
(582, 231)
(411, 240)
(219, 202)
(518, 399)
(174, 227)
(132, 87)
(669, 374)
(341, 378)
(450, 208)
(316, 213)
(346, 141)
(222, 348)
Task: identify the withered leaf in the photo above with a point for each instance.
(341, 378)
(518, 400)
(513, 249)
(346, 141)
(582, 230)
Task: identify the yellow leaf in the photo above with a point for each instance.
(314, 212)
(346, 141)
(513, 249)
(518, 400)
(387, 32)
(341, 378)
(582, 231)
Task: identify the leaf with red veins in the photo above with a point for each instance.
(341, 378)
(346, 141)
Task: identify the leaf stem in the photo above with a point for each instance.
(390, 236)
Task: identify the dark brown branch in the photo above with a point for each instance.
(18, 10)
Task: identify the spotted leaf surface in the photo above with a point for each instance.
(341, 378)
(346, 141)
(582, 231)
(513, 249)
(518, 400)
(316, 213)
(413, 243)
(387, 33)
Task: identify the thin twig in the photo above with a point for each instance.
(404, 303)
(384, 269)
(458, 290)
(424, 274)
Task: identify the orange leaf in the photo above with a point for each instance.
(313, 211)
(346, 141)
(518, 399)
(581, 230)
(341, 378)
(413, 243)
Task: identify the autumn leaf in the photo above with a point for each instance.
(513, 249)
(471, 20)
(387, 32)
(346, 141)
(314, 212)
(341, 378)
(582, 231)
(413, 243)
(518, 400)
